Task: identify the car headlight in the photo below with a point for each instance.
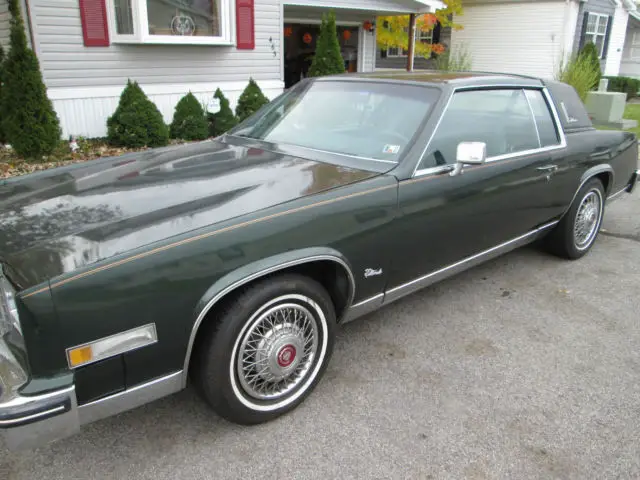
(8, 308)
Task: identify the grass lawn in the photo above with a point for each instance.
(631, 112)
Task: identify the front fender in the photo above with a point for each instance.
(252, 271)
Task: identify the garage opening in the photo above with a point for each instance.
(300, 47)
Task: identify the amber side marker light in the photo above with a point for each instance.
(111, 346)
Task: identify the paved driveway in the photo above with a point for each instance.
(525, 367)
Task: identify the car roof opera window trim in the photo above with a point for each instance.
(550, 105)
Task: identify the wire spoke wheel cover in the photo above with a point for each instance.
(279, 352)
(587, 221)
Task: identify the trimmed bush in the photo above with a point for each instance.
(137, 122)
(580, 73)
(327, 59)
(29, 122)
(590, 51)
(189, 121)
(224, 120)
(627, 85)
(251, 100)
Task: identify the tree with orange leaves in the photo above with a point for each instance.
(393, 31)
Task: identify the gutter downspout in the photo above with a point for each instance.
(29, 25)
(565, 55)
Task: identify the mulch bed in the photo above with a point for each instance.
(11, 165)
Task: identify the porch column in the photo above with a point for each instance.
(412, 41)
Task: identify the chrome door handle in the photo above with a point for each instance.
(548, 168)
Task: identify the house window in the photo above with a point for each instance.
(170, 21)
(597, 31)
(423, 37)
(634, 47)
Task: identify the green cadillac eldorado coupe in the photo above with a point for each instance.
(230, 263)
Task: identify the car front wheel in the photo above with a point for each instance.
(267, 350)
(574, 236)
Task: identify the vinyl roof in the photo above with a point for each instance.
(449, 78)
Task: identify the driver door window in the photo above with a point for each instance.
(500, 118)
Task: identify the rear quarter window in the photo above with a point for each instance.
(549, 135)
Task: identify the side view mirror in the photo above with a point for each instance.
(469, 153)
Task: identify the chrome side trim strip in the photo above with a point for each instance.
(433, 277)
(130, 398)
(616, 195)
(255, 276)
(363, 308)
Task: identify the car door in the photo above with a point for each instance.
(444, 219)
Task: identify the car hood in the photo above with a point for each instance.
(59, 220)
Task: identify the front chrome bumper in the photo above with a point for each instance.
(31, 421)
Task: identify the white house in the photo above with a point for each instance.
(630, 66)
(533, 37)
(89, 48)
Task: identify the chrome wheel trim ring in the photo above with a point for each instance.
(313, 367)
(588, 218)
(277, 351)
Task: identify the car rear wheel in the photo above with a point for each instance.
(267, 349)
(576, 233)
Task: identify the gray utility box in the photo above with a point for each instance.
(607, 108)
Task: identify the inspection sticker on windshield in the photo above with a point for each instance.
(394, 149)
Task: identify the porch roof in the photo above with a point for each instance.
(377, 7)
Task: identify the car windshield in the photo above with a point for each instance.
(362, 119)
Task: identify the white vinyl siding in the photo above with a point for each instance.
(369, 51)
(4, 24)
(630, 65)
(523, 38)
(66, 62)
(616, 42)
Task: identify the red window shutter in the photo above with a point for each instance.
(245, 27)
(95, 31)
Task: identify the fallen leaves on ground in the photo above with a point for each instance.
(11, 165)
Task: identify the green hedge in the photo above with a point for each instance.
(29, 122)
(627, 85)
(251, 100)
(224, 120)
(137, 122)
(189, 121)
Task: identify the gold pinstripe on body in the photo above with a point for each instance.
(205, 235)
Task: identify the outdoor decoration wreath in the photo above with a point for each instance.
(183, 25)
